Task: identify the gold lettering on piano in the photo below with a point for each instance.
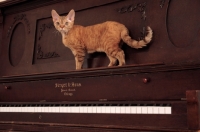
(69, 88)
(67, 85)
(68, 94)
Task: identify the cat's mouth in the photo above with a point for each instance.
(63, 31)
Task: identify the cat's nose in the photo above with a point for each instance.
(62, 26)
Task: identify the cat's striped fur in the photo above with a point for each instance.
(104, 37)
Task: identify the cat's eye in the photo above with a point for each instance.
(57, 23)
(66, 23)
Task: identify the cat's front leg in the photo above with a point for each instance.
(78, 63)
(79, 59)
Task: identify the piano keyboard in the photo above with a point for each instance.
(88, 108)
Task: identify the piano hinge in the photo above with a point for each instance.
(103, 100)
(183, 99)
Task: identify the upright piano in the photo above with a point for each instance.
(157, 90)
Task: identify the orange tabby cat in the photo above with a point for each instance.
(104, 37)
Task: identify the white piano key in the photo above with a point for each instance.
(144, 110)
(81, 109)
(68, 109)
(16, 109)
(133, 110)
(10, 109)
(94, 109)
(168, 110)
(123, 110)
(43, 109)
(161, 110)
(149, 109)
(29, 109)
(107, 109)
(3, 109)
(57, 110)
(75, 109)
(85, 109)
(38, 109)
(139, 110)
(65, 109)
(62, 109)
(19, 109)
(34, 108)
(24, 109)
(128, 109)
(113, 109)
(89, 109)
(6, 109)
(98, 109)
(46, 109)
(155, 110)
(72, 109)
(51, 109)
(117, 109)
(103, 109)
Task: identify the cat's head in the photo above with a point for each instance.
(63, 23)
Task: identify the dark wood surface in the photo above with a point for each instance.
(35, 67)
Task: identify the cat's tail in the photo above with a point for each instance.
(134, 43)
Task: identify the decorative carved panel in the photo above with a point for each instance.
(48, 44)
(17, 44)
(183, 22)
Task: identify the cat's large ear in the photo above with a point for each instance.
(55, 15)
(71, 15)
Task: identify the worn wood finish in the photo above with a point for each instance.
(36, 68)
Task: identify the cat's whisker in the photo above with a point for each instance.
(56, 32)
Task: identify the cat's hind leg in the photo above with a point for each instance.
(117, 53)
(113, 61)
(121, 57)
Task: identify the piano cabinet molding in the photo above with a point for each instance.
(1, 30)
(17, 19)
(193, 104)
(1, 17)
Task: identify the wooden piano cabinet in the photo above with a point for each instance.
(36, 70)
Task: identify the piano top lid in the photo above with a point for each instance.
(91, 72)
(10, 2)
